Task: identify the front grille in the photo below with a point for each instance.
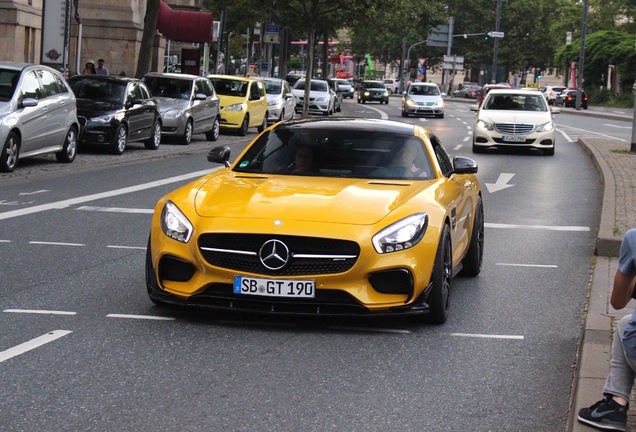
(514, 128)
(425, 103)
(240, 252)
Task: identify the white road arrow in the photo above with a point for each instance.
(501, 184)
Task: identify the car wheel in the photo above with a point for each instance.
(475, 255)
(243, 129)
(439, 300)
(69, 150)
(10, 152)
(187, 133)
(263, 125)
(477, 149)
(404, 114)
(119, 143)
(282, 116)
(549, 152)
(155, 139)
(213, 135)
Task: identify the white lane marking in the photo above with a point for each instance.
(140, 317)
(467, 138)
(11, 203)
(36, 311)
(5, 241)
(55, 243)
(538, 227)
(423, 119)
(527, 265)
(487, 336)
(566, 136)
(591, 132)
(35, 192)
(87, 198)
(370, 329)
(116, 209)
(457, 147)
(383, 115)
(125, 247)
(616, 126)
(32, 344)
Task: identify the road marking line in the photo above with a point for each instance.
(5, 241)
(116, 209)
(125, 247)
(36, 311)
(109, 194)
(55, 243)
(591, 132)
(616, 126)
(467, 138)
(457, 147)
(34, 193)
(487, 336)
(32, 344)
(527, 265)
(566, 136)
(370, 329)
(542, 227)
(141, 317)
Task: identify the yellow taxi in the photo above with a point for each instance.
(243, 102)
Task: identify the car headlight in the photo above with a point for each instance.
(403, 234)
(322, 99)
(410, 102)
(366, 93)
(546, 127)
(274, 102)
(173, 114)
(439, 103)
(235, 107)
(386, 93)
(484, 125)
(174, 224)
(104, 118)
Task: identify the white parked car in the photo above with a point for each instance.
(392, 85)
(321, 100)
(514, 119)
(280, 100)
(551, 93)
(423, 98)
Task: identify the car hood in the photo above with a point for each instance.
(166, 104)
(89, 107)
(312, 93)
(274, 97)
(6, 108)
(311, 199)
(499, 116)
(226, 101)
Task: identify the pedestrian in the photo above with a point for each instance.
(610, 413)
(90, 68)
(514, 81)
(101, 69)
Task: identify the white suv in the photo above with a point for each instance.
(551, 92)
(392, 85)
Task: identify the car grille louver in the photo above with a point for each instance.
(514, 128)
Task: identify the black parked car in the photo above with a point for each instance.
(114, 111)
(567, 98)
(373, 91)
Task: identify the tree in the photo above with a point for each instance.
(145, 49)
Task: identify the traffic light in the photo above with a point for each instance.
(486, 37)
(537, 73)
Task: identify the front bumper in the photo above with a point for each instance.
(423, 109)
(314, 107)
(538, 140)
(173, 127)
(231, 119)
(97, 132)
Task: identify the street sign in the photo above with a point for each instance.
(568, 38)
(453, 62)
(496, 34)
(438, 36)
(271, 34)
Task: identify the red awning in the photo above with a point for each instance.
(184, 26)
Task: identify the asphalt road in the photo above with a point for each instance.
(82, 347)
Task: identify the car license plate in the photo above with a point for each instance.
(275, 287)
(514, 138)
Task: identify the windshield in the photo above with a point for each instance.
(338, 153)
(515, 102)
(379, 85)
(99, 90)
(8, 83)
(319, 86)
(169, 87)
(424, 90)
(229, 87)
(272, 87)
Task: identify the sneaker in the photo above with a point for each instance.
(606, 414)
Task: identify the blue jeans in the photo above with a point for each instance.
(621, 375)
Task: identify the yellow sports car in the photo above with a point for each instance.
(322, 217)
(243, 102)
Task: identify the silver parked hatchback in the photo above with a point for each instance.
(37, 114)
(187, 104)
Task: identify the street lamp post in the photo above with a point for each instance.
(579, 83)
(494, 55)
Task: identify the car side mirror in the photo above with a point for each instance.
(464, 165)
(220, 155)
(474, 107)
(28, 102)
(254, 97)
(555, 110)
(200, 96)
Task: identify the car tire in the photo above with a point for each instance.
(439, 299)
(69, 149)
(263, 125)
(475, 255)
(10, 153)
(243, 129)
(186, 139)
(153, 142)
(549, 152)
(477, 149)
(404, 114)
(118, 146)
(213, 134)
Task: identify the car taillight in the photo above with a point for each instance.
(585, 98)
(569, 97)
